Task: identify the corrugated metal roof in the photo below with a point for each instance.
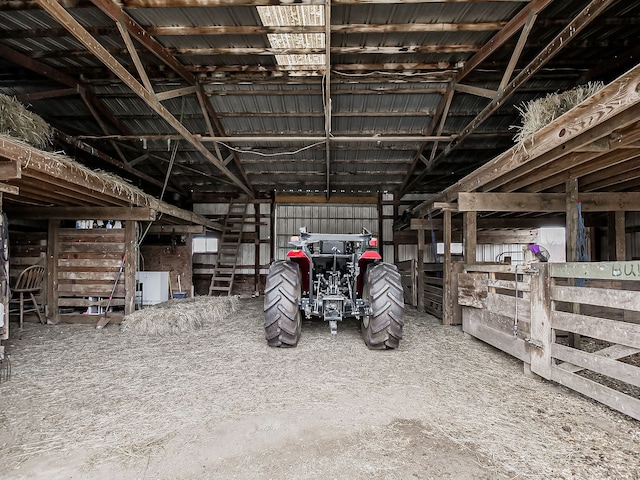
(381, 84)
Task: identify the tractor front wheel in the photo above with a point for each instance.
(282, 319)
(382, 329)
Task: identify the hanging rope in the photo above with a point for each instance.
(166, 177)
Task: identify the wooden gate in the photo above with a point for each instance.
(577, 324)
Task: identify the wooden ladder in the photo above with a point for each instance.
(228, 248)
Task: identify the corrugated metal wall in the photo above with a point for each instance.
(336, 218)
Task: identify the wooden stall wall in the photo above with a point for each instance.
(577, 324)
(496, 306)
(84, 266)
(27, 249)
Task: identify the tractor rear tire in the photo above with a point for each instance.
(282, 318)
(383, 290)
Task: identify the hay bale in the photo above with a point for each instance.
(540, 112)
(180, 315)
(18, 122)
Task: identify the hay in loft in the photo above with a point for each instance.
(540, 112)
(180, 315)
(18, 122)
(60, 165)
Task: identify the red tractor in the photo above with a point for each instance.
(332, 277)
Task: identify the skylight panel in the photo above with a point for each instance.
(296, 16)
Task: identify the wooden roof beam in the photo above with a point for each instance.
(586, 16)
(510, 29)
(216, 30)
(32, 4)
(63, 17)
(128, 25)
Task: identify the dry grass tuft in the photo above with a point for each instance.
(180, 315)
(18, 122)
(540, 112)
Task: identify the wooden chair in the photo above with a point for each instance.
(28, 285)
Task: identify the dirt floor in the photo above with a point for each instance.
(218, 403)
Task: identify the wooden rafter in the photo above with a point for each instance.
(215, 30)
(62, 16)
(30, 4)
(613, 109)
(583, 19)
(498, 40)
(125, 22)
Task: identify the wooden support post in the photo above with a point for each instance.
(256, 243)
(572, 219)
(421, 270)
(130, 266)
(4, 287)
(396, 204)
(447, 300)
(571, 233)
(541, 333)
(620, 244)
(51, 309)
(470, 227)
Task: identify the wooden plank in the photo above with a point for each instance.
(614, 352)
(523, 286)
(51, 308)
(92, 45)
(496, 268)
(610, 201)
(107, 263)
(610, 397)
(470, 236)
(508, 305)
(620, 236)
(281, 198)
(504, 323)
(78, 213)
(597, 270)
(472, 290)
(448, 300)
(421, 274)
(605, 366)
(435, 281)
(86, 302)
(515, 347)
(506, 236)
(12, 189)
(603, 297)
(613, 331)
(177, 229)
(10, 170)
(511, 202)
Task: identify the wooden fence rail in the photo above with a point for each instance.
(538, 313)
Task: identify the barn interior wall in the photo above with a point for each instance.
(332, 218)
(175, 259)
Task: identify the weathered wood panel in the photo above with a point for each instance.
(613, 331)
(473, 289)
(87, 262)
(603, 394)
(473, 325)
(603, 297)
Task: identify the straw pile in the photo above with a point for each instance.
(180, 315)
(87, 403)
(18, 122)
(538, 113)
(59, 165)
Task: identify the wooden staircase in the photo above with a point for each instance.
(228, 248)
